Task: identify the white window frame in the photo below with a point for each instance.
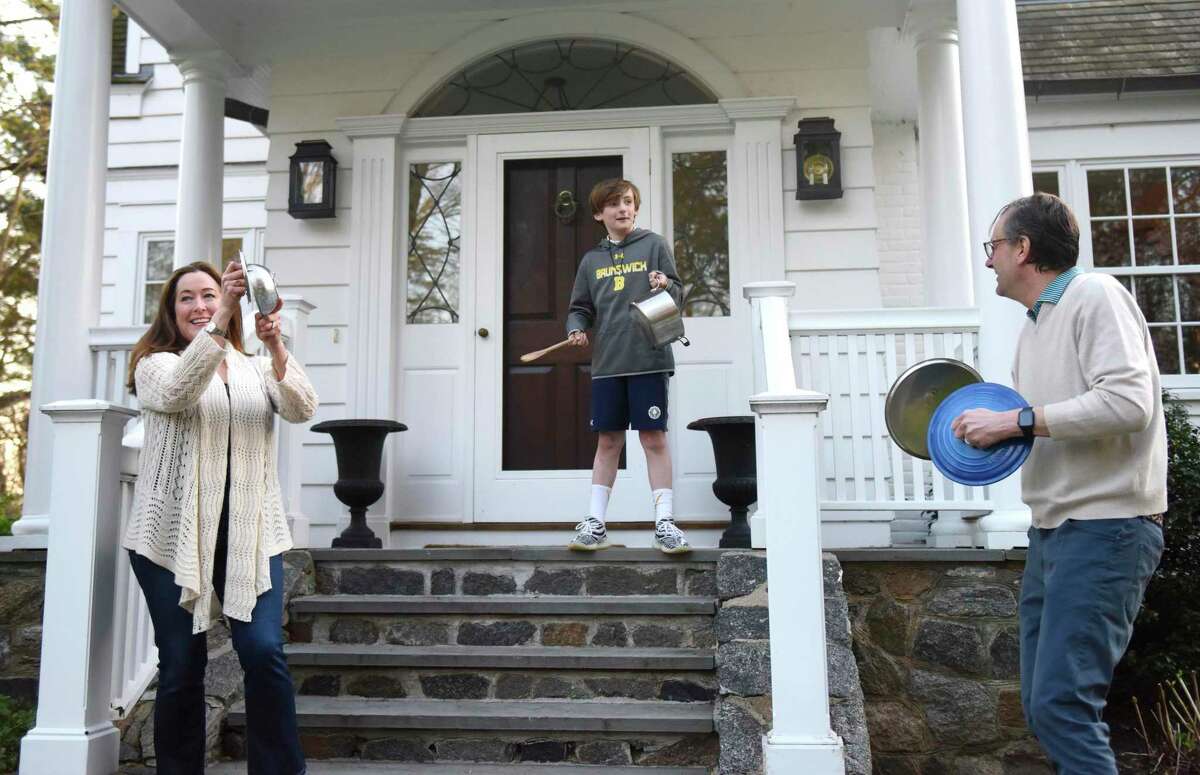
(252, 248)
(143, 258)
(1075, 190)
(251, 242)
(433, 154)
(673, 144)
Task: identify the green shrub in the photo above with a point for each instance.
(1166, 638)
(1171, 734)
(10, 512)
(16, 718)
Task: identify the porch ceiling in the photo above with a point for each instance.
(255, 34)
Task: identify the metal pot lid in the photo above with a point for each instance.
(915, 396)
(260, 284)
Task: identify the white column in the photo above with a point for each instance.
(72, 236)
(201, 160)
(945, 229)
(801, 739)
(997, 153)
(756, 186)
(295, 314)
(375, 240)
(756, 220)
(74, 734)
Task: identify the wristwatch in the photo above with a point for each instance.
(1025, 422)
(212, 330)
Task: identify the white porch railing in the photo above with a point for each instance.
(854, 357)
(788, 524)
(110, 347)
(135, 658)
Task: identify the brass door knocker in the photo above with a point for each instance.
(565, 206)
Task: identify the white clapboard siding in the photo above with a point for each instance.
(854, 356)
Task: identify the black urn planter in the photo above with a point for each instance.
(359, 448)
(736, 485)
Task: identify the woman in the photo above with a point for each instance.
(207, 530)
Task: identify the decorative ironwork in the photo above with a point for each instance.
(434, 231)
(568, 74)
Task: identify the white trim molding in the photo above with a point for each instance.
(721, 117)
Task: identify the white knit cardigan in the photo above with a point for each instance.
(181, 473)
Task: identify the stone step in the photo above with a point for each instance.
(499, 657)
(606, 605)
(509, 554)
(496, 715)
(474, 573)
(419, 683)
(598, 630)
(356, 767)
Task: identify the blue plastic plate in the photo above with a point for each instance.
(967, 465)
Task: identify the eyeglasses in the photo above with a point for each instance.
(989, 247)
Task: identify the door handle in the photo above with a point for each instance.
(483, 333)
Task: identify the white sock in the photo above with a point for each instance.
(664, 504)
(599, 507)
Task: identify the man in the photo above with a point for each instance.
(1096, 479)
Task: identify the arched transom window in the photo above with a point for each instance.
(565, 74)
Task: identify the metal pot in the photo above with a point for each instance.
(916, 395)
(260, 285)
(659, 319)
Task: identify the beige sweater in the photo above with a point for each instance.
(1089, 361)
(181, 472)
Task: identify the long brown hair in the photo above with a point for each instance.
(164, 335)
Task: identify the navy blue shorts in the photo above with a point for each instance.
(638, 402)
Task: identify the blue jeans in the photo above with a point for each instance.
(272, 740)
(1082, 587)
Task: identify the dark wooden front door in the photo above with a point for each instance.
(546, 403)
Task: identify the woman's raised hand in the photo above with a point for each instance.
(268, 328)
(233, 285)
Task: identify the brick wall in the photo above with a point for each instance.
(897, 206)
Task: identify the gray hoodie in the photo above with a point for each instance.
(611, 276)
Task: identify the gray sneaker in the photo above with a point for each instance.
(669, 538)
(590, 535)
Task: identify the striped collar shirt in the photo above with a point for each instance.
(1053, 292)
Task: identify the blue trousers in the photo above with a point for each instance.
(272, 740)
(1082, 587)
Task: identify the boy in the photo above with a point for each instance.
(629, 377)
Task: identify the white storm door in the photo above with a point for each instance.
(556, 491)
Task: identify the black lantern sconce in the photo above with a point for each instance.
(312, 181)
(818, 159)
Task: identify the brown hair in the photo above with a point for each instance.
(164, 335)
(611, 190)
(1049, 225)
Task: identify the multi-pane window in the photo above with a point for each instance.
(700, 220)
(1046, 183)
(1145, 229)
(158, 256)
(434, 233)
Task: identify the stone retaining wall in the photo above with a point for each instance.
(22, 588)
(937, 650)
(743, 713)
